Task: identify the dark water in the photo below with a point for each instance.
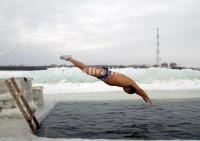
(178, 119)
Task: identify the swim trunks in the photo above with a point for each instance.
(105, 75)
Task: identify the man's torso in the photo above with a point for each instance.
(117, 79)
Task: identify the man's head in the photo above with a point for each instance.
(129, 90)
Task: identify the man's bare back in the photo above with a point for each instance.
(117, 79)
(111, 78)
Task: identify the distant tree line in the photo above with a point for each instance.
(30, 68)
(45, 67)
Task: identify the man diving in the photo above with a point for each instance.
(111, 78)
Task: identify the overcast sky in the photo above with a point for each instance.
(37, 32)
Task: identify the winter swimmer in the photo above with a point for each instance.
(111, 78)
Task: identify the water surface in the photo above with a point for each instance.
(168, 119)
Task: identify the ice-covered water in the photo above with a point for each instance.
(72, 80)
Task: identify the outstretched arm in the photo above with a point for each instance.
(141, 93)
(144, 95)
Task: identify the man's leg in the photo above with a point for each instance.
(94, 71)
(78, 64)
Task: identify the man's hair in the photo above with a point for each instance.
(132, 90)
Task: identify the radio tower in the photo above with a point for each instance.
(158, 49)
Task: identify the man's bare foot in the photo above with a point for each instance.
(66, 57)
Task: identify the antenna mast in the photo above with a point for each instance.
(158, 49)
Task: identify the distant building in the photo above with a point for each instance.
(156, 66)
(143, 66)
(173, 65)
(164, 65)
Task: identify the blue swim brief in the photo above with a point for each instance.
(105, 75)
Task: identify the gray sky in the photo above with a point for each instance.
(36, 32)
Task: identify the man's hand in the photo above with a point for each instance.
(142, 93)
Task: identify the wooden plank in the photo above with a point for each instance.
(22, 103)
(36, 122)
(22, 97)
(15, 90)
(12, 91)
(18, 95)
(26, 104)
